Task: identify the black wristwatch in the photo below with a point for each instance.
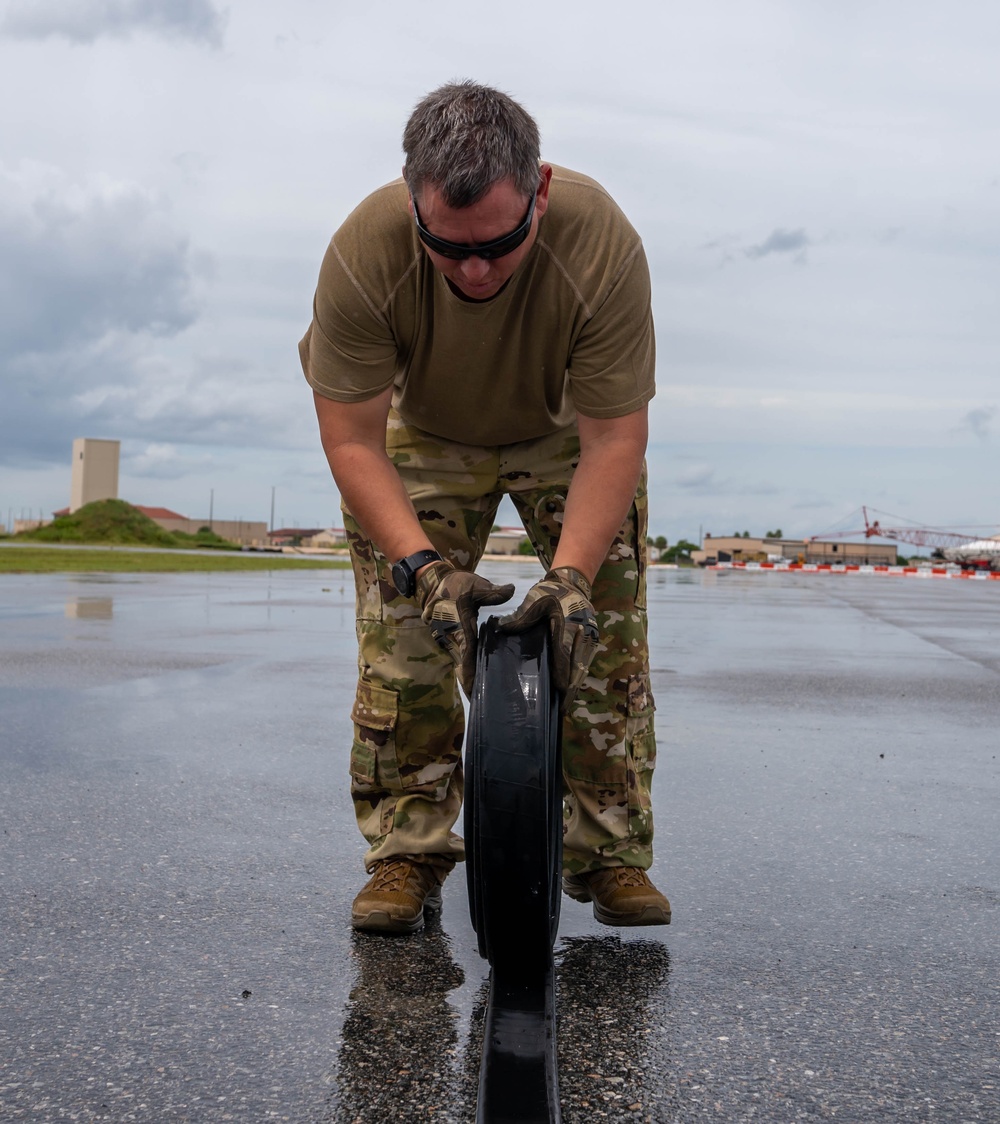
(404, 572)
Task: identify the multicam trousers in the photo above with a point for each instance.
(406, 759)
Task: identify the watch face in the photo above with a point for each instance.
(402, 578)
(404, 572)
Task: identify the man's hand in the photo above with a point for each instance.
(449, 600)
(563, 598)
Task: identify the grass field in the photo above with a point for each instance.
(49, 560)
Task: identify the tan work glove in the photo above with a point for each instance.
(449, 600)
(563, 597)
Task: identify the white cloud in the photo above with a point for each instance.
(696, 476)
(162, 461)
(814, 415)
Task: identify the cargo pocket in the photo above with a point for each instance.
(640, 752)
(373, 755)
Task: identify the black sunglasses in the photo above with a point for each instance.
(459, 251)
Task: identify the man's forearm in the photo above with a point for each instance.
(374, 495)
(602, 490)
(353, 437)
(598, 501)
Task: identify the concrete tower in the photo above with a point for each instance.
(95, 471)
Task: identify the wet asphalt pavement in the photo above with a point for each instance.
(178, 857)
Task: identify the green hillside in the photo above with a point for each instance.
(106, 521)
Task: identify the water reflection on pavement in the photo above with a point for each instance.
(399, 1049)
(401, 1056)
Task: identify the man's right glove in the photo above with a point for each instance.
(449, 600)
(563, 598)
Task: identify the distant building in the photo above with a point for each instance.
(331, 538)
(241, 531)
(505, 540)
(167, 519)
(95, 471)
(293, 536)
(852, 553)
(244, 532)
(735, 548)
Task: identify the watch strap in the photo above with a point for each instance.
(413, 562)
(404, 572)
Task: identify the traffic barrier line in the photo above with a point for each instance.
(830, 568)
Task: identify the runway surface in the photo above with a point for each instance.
(179, 855)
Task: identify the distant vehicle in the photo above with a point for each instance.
(983, 554)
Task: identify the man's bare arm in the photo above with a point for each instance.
(353, 436)
(602, 489)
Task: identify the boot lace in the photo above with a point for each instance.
(630, 876)
(391, 876)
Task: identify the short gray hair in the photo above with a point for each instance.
(463, 138)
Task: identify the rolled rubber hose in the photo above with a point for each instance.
(513, 837)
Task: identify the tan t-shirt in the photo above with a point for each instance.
(572, 330)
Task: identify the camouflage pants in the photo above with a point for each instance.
(406, 759)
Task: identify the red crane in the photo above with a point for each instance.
(945, 541)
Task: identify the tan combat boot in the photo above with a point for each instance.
(393, 900)
(622, 895)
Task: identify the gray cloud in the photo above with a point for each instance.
(119, 387)
(90, 275)
(41, 409)
(781, 241)
(978, 421)
(78, 262)
(195, 404)
(84, 21)
(35, 431)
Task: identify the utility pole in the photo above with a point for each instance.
(271, 527)
(211, 506)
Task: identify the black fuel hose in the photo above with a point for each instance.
(513, 836)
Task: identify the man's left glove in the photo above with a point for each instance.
(449, 600)
(562, 597)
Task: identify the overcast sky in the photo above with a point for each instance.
(817, 186)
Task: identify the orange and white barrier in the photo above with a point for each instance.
(833, 568)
